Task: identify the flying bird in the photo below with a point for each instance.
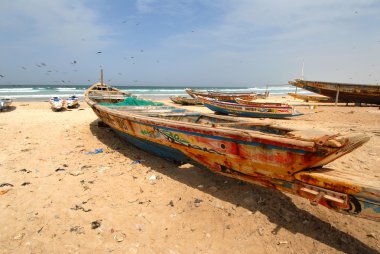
(2, 76)
(99, 52)
(23, 68)
(74, 62)
(43, 64)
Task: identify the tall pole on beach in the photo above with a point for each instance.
(303, 65)
(101, 75)
(337, 95)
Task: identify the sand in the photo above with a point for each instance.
(124, 200)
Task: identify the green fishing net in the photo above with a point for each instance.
(132, 101)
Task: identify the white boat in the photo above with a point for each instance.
(5, 103)
(72, 101)
(57, 103)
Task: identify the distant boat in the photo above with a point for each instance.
(356, 93)
(308, 98)
(185, 100)
(222, 96)
(268, 155)
(57, 103)
(261, 103)
(102, 92)
(5, 103)
(274, 110)
(72, 101)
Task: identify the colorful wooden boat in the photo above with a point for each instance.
(307, 98)
(342, 92)
(185, 100)
(256, 110)
(260, 153)
(261, 103)
(57, 103)
(230, 96)
(72, 101)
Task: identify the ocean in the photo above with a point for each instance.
(44, 92)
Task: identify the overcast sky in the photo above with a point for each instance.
(189, 42)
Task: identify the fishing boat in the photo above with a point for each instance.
(307, 98)
(72, 101)
(270, 110)
(185, 100)
(357, 93)
(5, 103)
(261, 103)
(257, 152)
(57, 103)
(230, 96)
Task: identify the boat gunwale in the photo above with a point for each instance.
(222, 103)
(299, 83)
(228, 132)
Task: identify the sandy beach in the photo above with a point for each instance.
(71, 186)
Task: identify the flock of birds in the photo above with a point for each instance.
(74, 62)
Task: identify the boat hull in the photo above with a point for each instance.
(185, 101)
(228, 97)
(269, 156)
(170, 143)
(245, 110)
(347, 92)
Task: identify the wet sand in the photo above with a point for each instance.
(65, 199)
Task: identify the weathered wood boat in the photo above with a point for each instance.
(342, 92)
(308, 98)
(260, 153)
(57, 103)
(261, 103)
(5, 103)
(72, 101)
(230, 96)
(256, 110)
(185, 100)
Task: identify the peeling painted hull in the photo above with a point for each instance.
(357, 93)
(256, 110)
(270, 158)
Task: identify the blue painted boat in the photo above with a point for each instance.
(272, 156)
(255, 110)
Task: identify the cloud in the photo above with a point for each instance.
(59, 23)
(250, 24)
(145, 6)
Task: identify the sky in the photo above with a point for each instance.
(189, 42)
